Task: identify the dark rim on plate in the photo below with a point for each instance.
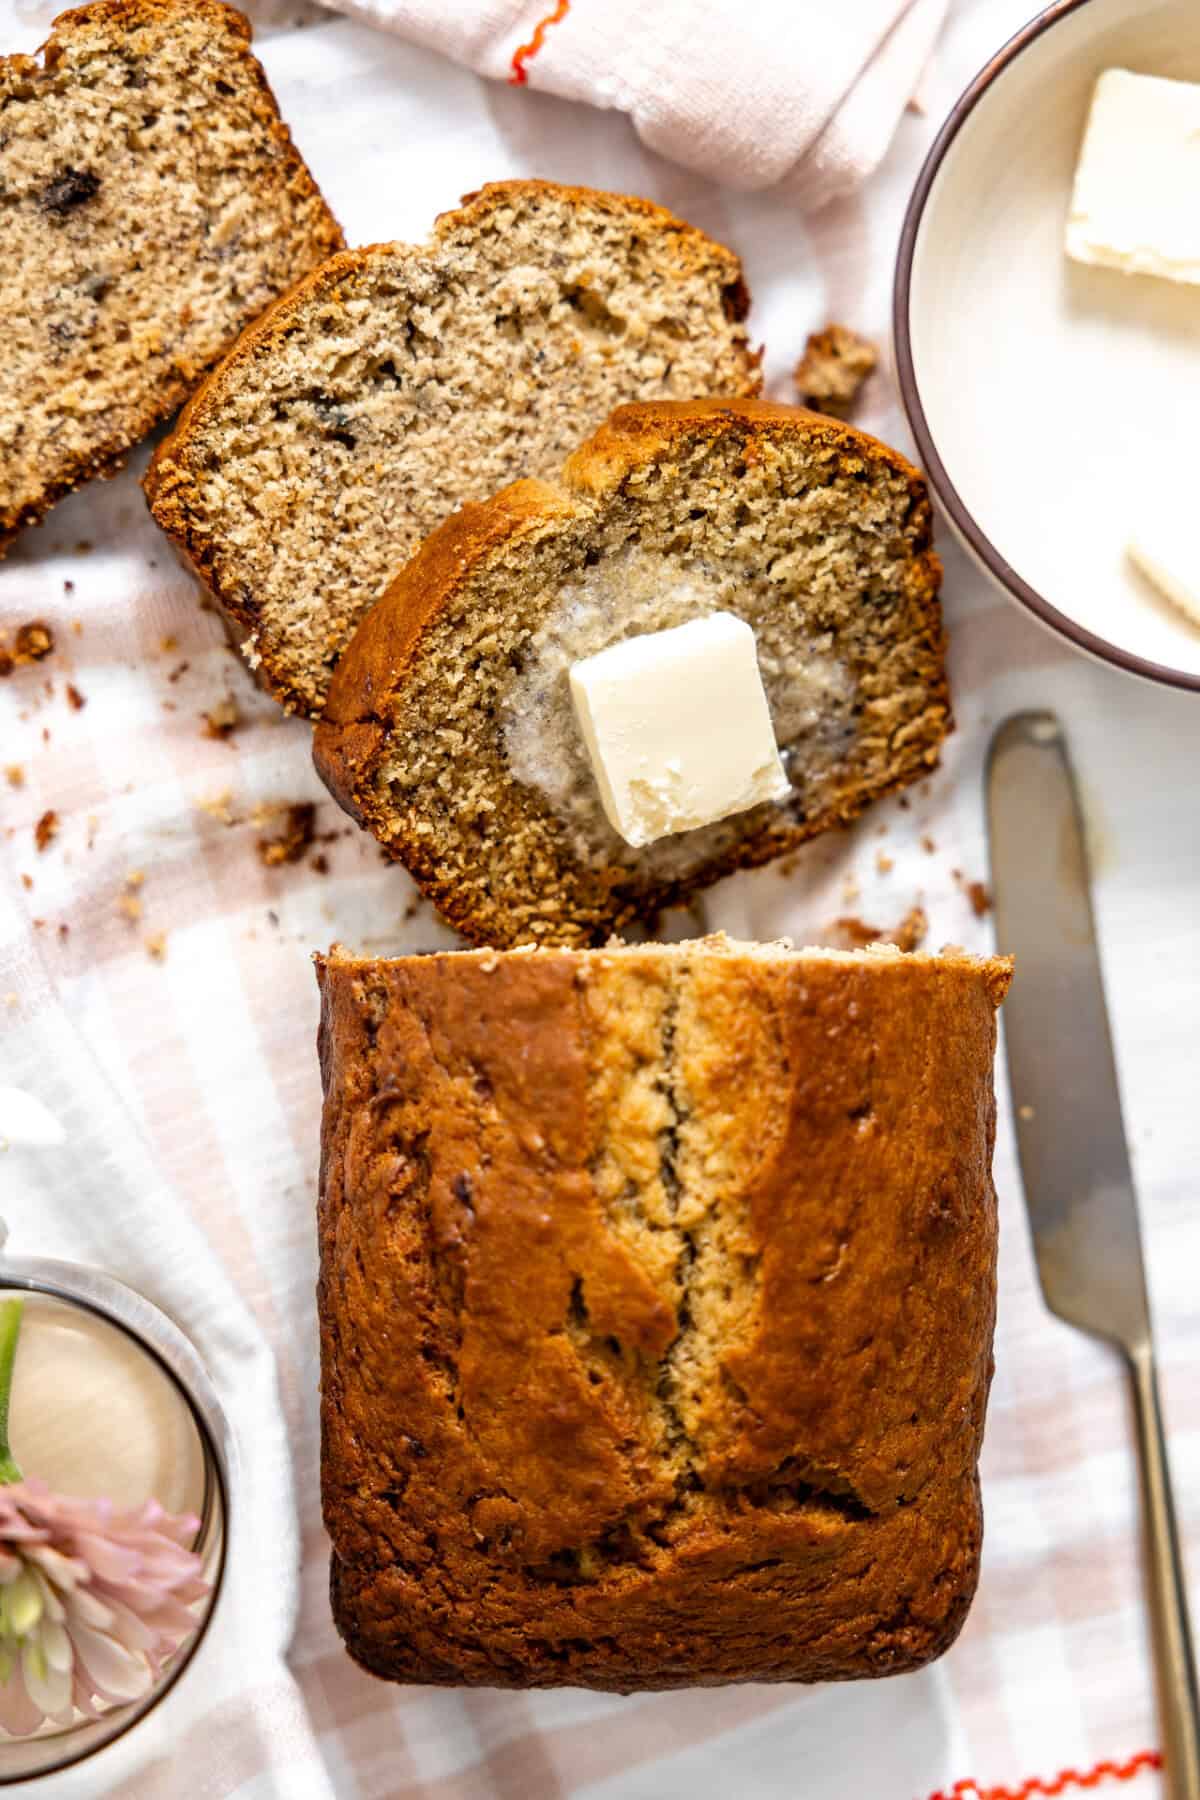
(948, 494)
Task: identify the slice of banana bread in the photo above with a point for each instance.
(151, 203)
(399, 381)
(656, 1301)
(449, 731)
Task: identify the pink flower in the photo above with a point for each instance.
(93, 1602)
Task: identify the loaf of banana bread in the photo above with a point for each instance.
(656, 1303)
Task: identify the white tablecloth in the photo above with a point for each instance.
(190, 1092)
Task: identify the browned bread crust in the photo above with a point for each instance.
(290, 191)
(176, 476)
(907, 711)
(656, 1302)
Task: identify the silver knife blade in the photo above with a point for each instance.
(1062, 1074)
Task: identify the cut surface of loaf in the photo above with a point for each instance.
(449, 731)
(656, 1300)
(401, 380)
(152, 204)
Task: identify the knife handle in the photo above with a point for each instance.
(1174, 1657)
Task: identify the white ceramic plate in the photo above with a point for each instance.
(1044, 395)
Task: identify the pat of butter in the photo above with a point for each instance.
(1136, 204)
(677, 727)
(1165, 546)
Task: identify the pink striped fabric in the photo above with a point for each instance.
(177, 1047)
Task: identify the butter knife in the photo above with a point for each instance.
(1071, 1143)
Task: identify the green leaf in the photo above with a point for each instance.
(23, 1604)
(10, 1330)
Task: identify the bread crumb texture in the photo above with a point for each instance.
(835, 364)
(151, 204)
(401, 380)
(449, 731)
(656, 1302)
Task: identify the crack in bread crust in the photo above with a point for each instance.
(570, 1438)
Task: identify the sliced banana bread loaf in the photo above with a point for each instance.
(449, 731)
(399, 381)
(151, 203)
(656, 1302)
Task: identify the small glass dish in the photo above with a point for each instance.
(138, 1417)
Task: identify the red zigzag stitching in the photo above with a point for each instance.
(1066, 1778)
(523, 52)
